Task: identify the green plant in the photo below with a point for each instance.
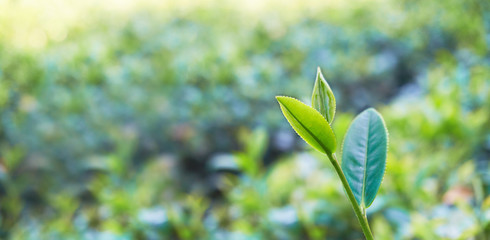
(364, 148)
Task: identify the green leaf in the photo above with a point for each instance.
(309, 124)
(322, 98)
(364, 155)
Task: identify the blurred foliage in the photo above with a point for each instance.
(157, 119)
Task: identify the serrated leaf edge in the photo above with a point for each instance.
(328, 125)
(387, 148)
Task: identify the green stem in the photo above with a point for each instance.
(357, 209)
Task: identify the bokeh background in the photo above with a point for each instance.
(157, 119)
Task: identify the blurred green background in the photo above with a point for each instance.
(157, 119)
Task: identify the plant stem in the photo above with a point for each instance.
(357, 209)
